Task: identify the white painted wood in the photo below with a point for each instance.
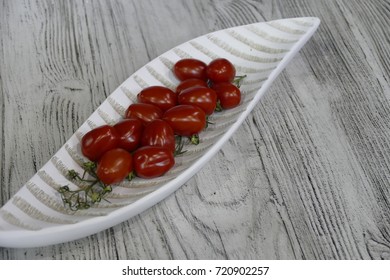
(305, 177)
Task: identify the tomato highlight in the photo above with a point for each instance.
(160, 96)
(190, 83)
(129, 133)
(188, 68)
(185, 120)
(151, 162)
(114, 166)
(229, 96)
(220, 70)
(159, 133)
(146, 113)
(98, 141)
(203, 97)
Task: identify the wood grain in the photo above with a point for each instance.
(305, 177)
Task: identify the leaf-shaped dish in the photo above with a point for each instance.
(36, 216)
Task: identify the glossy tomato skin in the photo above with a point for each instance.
(229, 95)
(151, 162)
(160, 96)
(114, 166)
(185, 120)
(129, 133)
(159, 133)
(203, 97)
(144, 112)
(188, 68)
(190, 83)
(98, 141)
(220, 70)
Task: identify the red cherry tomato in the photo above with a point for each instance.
(221, 70)
(150, 162)
(98, 141)
(190, 83)
(188, 68)
(229, 95)
(160, 96)
(129, 133)
(160, 134)
(203, 97)
(144, 112)
(114, 166)
(185, 120)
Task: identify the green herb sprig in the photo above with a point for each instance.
(91, 190)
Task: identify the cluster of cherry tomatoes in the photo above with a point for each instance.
(144, 142)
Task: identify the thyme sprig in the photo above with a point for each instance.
(238, 80)
(91, 190)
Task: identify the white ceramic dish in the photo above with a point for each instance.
(35, 215)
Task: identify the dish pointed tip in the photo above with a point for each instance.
(316, 21)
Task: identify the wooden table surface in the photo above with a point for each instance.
(305, 177)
